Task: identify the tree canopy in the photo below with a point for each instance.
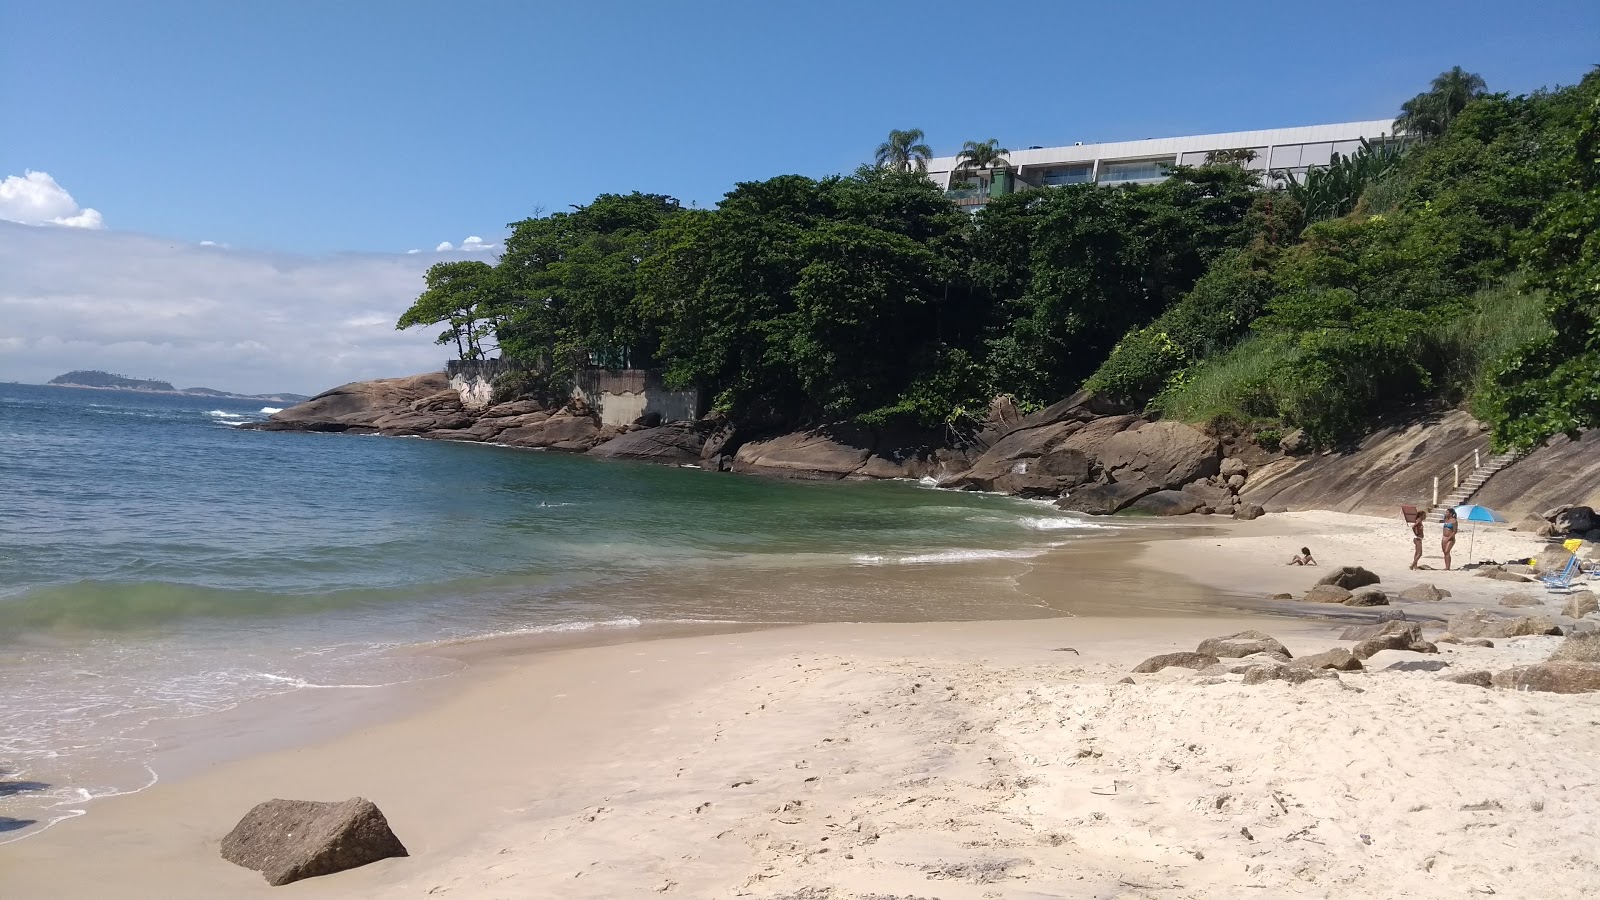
(904, 151)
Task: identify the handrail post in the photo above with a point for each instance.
(1435, 490)
(1476, 460)
(1457, 467)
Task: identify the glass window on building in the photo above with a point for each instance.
(1068, 175)
(1286, 156)
(1316, 154)
(1135, 170)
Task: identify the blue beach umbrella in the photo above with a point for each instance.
(1474, 513)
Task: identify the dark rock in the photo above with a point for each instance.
(1349, 577)
(1423, 593)
(1280, 596)
(1327, 593)
(1410, 631)
(1368, 597)
(1295, 443)
(1167, 454)
(1392, 615)
(1499, 574)
(1164, 503)
(1182, 659)
(1575, 520)
(1477, 678)
(1553, 677)
(1105, 499)
(1245, 643)
(675, 444)
(1580, 604)
(1482, 623)
(1417, 665)
(1517, 599)
(287, 840)
(1584, 648)
(1248, 511)
(1338, 658)
(1476, 642)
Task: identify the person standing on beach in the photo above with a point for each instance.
(1416, 539)
(1448, 541)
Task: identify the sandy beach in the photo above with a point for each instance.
(946, 760)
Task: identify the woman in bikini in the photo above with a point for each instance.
(1416, 538)
(1448, 541)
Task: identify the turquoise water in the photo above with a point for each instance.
(155, 561)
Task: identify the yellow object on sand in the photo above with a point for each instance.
(1572, 545)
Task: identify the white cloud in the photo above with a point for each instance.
(474, 244)
(208, 243)
(412, 251)
(443, 246)
(204, 316)
(34, 198)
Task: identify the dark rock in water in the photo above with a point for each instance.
(1248, 511)
(1482, 623)
(1553, 677)
(1423, 593)
(563, 431)
(1349, 577)
(1417, 665)
(439, 411)
(824, 454)
(1476, 678)
(1584, 648)
(1327, 593)
(1182, 659)
(1245, 643)
(1105, 499)
(674, 444)
(1368, 597)
(1164, 503)
(287, 840)
(1337, 658)
(1167, 454)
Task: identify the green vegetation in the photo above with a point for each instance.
(1457, 266)
(99, 379)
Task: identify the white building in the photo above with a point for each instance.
(1290, 150)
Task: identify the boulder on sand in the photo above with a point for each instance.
(1423, 593)
(1105, 499)
(1499, 574)
(1164, 503)
(1338, 658)
(1584, 648)
(1392, 636)
(1167, 454)
(1349, 577)
(287, 840)
(1476, 678)
(1248, 511)
(1483, 623)
(1245, 643)
(1517, 599)
(1292, 674)
(1368, 597)
(1580, 604)
(1554, 677)
(1327, 593)
(1183, 659)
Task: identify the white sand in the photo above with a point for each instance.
(971, 760)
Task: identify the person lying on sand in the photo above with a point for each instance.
(1304, 559)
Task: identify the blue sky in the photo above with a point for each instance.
(366, 126)
(245, 179)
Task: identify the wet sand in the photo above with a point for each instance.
(953, 760)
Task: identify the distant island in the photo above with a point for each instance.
(94, 378)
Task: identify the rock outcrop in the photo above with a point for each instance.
(357, 406)
(1584, 648)
(1482, 623)
(1580, 604)
(1350, 577)
(1183, 659)
(1166, 454)
(1338, 658)
(1244, 643)
(287, 840)
(676, 444)
(1327, 593)
(1423, 593)
(1554, 677)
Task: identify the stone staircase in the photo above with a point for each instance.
(1470, 485)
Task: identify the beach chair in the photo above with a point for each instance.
(1563, 581)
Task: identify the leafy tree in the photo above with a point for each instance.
(904, 151)
(1428, 114)
(1241, 158)
(1333, 190)
(464, 296)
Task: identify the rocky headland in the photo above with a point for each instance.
(1091, 455)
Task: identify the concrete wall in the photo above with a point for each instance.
(623, 396)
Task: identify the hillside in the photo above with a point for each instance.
(97, 379)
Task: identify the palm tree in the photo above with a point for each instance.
(904, 151)
(987, 155)
(1429, 113)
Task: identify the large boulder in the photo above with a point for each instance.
(1295, 443)
(287, 840)
(1535, 524)
(1164, 503)
(1575, 520)
(1554, 677)
(675, 444)
(1476, 678)
(1367, 597)
(1043, 457)
(438, 411)
(1248, 511)
(1584, 648)
(1183, 659)
(1167, 454)
(1552, 560)
(1517, 599)
(1580, 604)
(1499, 574)
(1423, 593)
(356, 406)
(1244, 643)
(823, 454)
(1292, 674)
(1482, 623)
(563, 431)
(1208, 493)
(1327, 593)
(1393, 636)
(1349, 577)
(1105, 499)
(1232, 466)
(1338, 658)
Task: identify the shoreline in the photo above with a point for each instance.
(491, 777)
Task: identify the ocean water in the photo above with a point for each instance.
(156, 562)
